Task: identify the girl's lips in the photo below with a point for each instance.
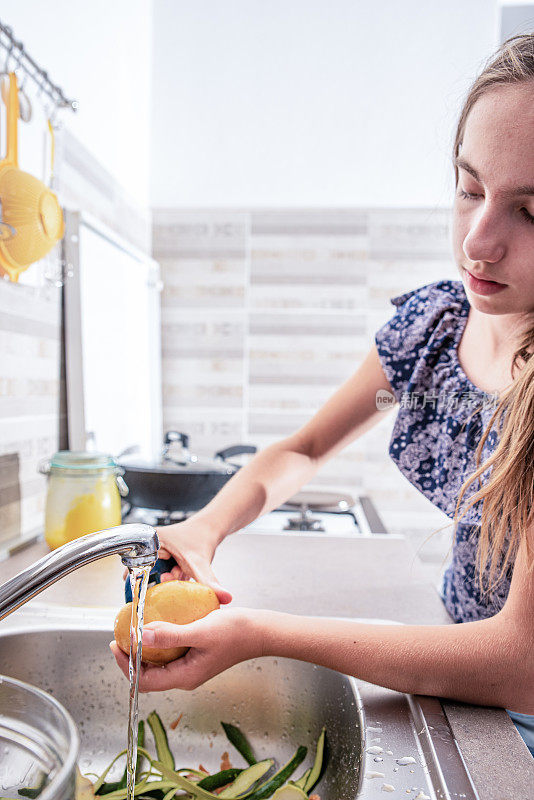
(480, 286)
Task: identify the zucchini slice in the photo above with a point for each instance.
(319, 763)
(279, 778)
(247, 779)
(218, 779)
(258, 770)
(160, 738)
(289, 792)
(183, 783)
(301, 783)
(239, 741)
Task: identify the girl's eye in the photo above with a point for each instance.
(468, 195)
(472, 196)
(527, 215)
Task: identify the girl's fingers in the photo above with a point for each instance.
(120, 657)
(180, 674)
(176, 574)
(165, 635)
(201, 571)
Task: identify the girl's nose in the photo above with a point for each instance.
(486, 237)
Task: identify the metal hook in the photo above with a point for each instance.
(30, 69)
(52, 117)
(8, 56)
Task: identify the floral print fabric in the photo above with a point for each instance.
(439, 424)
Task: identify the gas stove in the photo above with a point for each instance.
(311, 512)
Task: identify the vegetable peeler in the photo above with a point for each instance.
(161, 565)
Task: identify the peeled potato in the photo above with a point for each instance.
(172, 601)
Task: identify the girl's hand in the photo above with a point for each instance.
(192, 548)
(221, 639)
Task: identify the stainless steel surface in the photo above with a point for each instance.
(137, 544)
(377, 738)
(39, 742)
(374, 576)
(371, 515)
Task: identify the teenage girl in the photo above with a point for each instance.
(462, 342)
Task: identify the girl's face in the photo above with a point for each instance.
(493, 215)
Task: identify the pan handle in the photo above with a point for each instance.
(235, 450)
(175, 436)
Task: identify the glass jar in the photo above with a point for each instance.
(83, 496)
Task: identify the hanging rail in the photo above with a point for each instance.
(17, 51)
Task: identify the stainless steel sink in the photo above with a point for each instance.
(378, 739)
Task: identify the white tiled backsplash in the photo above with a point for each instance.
(266, 312)
(30, 340)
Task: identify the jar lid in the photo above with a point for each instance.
(77, 459)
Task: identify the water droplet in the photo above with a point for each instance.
(375, 750)
(377, 758)
(387, 787)
(403, 762)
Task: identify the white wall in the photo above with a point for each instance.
(311, 102)
(100, 53)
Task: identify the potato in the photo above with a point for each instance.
(172, 601)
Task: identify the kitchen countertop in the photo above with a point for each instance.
(376, 577)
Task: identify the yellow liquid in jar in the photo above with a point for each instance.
(88, 513)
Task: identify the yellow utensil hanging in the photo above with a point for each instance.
(52, 149)
(27, 205)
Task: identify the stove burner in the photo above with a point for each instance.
(152, 516)
(169, 517)
(308, 501)
(305, 522)
(312, 511)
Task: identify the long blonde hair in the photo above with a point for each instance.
(507, 493)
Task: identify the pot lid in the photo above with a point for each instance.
(168, 465)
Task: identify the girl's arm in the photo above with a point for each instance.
(280, 470)
(273, 475)
(489, 662)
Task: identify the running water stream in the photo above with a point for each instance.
(139, 583)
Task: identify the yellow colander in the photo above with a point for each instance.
(27, 204)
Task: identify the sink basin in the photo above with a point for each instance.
(279, 703)
(378, 738)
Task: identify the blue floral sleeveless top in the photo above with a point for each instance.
(439, 424)
(440, 421)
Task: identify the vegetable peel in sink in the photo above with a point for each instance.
(161, 780)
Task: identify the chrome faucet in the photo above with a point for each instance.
(136, 544)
